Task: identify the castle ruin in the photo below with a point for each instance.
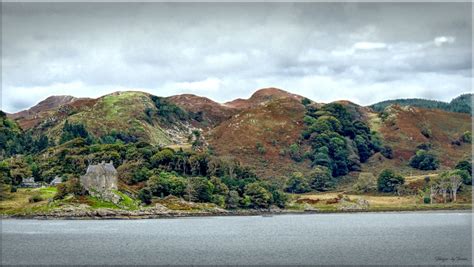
(100, 178)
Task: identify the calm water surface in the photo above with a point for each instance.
(359, 238)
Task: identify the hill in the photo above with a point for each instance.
(461, 104)
(242, 154)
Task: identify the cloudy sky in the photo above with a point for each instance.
(361, 52)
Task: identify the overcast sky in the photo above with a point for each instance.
(360, 52)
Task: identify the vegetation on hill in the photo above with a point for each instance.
(461, 104)
(239, 157)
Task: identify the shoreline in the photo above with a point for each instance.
(179, 214)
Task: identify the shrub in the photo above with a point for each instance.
(466, 137)
(259, 196)
(233, 200)
(320, 178)
(423, 160)
(305, 101)
(166, 184)
(297, 183)
(365, 183)
(465, 166)
(294, 152)
(279, 198)
(426, 199)
(13, 189)
(260, 148)
(145, 195)
(61, 191)
(35, 198)
(426, 132)
(201, 189)
(389, 181)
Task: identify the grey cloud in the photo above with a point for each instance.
(327, 51)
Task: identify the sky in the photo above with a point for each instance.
(362, 52)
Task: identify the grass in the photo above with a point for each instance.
(18, 203)
(382, 202)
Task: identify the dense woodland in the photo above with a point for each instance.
(461, 104)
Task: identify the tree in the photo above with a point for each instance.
(297, 183)
(320, 178)
(423, 160)
(259, 196)
(389, 181)
(466, 137)
(162, 158)
(466, 166)
(365, 183)
(443, 183)
(305, 101)
(455, 181)
(364, 151)
(295, 153)
(145, 195)
(233, 199)
(201, 189)
(166, 184)
(279, 198)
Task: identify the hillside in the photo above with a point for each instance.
(204, 110)
(170, 153)
(461, 104)
(136, 114)
(259, 135)
(407, 129)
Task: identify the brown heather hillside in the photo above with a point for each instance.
(256, 131)
(213, 113)
(402, 130)
(275, 124)
(34, 115)
(260, 97)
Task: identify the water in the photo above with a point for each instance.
(359, 238)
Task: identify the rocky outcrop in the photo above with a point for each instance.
(348, 205)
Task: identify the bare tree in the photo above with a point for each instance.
(443, 184)
(455, 182)
(433, 191)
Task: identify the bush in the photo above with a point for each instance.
(259, 196)
(145, 196)
(320, 179)
(35, 198)
(297, 184)
(61, 191)
(365, 183)
(387, 152)
(295, 153)
(201, 189)
(13, 189)
(426, 132)
(260, 148)
(424, 160)
(166, 184)
(279, 198)
(465, 166)
(389, 181)
(233, 200)
(426, 199)
(466, 137)
(305, 101)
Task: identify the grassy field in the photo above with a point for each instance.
(377, 202)
(19, 202)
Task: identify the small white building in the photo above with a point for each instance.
(57, 180)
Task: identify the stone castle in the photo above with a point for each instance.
(100, 178)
